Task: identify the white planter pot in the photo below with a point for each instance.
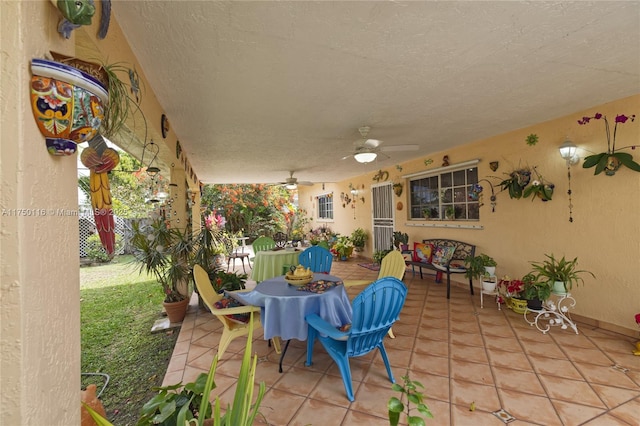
(558, 288)
(491, 270)
(489, 286)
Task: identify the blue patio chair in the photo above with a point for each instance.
(375, 309)
(316, 258)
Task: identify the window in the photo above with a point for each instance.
(445, 194)
(325, 207)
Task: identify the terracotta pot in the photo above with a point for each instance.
(176, 311)
(67, 104)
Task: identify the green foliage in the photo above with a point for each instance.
(96, 252)
(516, 182)
(359, 237)
(165, 253)
(378, 255)
(600, 161)
(411, 390)
(400, 238)
(254, 209)
(118, 307)
(343, 246)
(227, 281)
(475, 265)
(534, 289)
(563, 270)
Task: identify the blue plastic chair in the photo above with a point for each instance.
(317, 259)
(375, 309)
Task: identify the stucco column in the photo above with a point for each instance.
(39, 275)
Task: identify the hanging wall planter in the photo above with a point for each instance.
(67, 104)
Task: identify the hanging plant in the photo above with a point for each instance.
(539, 188)
(610, 161)
(517, 181)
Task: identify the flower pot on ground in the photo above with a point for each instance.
(535, 291)
(343, 247)
(359, 238)
(165, 253)
(561, 270)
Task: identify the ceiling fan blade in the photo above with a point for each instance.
(305, 183)
(347, 156)
(390, 148)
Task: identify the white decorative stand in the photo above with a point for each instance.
(494, 292)
(553, 313)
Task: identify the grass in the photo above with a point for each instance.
(118, 308)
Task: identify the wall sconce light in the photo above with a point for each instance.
(569, 153)
(365, 157)
(151, 150)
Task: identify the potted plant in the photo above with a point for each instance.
(450, 212)
(482, 267)
(165, 253)
(379, 255)
(343, 247)
(516, 182)
(401, 240)
(535, 291)
(427, 213)
(610, 160)
(359, 238)
(512, 293)
(562, 273)
(539, 188)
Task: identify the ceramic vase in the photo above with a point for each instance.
(519, 306)
(67, 105)
(558, 288)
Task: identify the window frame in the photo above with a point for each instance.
(329, 207)
(453, 188)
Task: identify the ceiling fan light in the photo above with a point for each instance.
(291, 186)
(365, 157)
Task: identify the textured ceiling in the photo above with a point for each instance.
(255, 89)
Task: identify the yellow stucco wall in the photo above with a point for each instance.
(605, 234)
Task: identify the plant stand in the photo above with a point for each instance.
(553, 313)
(484, 289)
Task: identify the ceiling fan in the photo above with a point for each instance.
(292, 182)
(366, 150)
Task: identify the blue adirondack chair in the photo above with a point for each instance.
(316, 258)
(375, 309)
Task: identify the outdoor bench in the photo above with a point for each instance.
(441, 255)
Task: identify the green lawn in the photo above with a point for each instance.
(118, 308)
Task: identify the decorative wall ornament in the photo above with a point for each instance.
(445, 161)
(381, 176)
(67, 104)
(428, 162)
(610, 160)
(532, 139)
(397, 188)
(476, 194)
(164, 125)
(494, 166)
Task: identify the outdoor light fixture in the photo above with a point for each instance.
(569, 152)
(365, 157)
(151, 150)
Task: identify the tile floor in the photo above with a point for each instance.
(461, 353)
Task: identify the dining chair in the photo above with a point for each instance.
(392, 265)
(280, 239)
(317, 259)
(261, 244)
(232, 328)
(375, 309)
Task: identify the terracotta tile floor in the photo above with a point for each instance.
(459, 352)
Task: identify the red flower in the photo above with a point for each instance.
(637, 318)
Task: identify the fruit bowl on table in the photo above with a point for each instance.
(298, 280)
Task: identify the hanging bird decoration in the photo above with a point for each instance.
(100, 159)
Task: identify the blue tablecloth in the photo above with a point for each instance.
(284, 307)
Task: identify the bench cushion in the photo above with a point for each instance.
(422, 252)
(442, 255)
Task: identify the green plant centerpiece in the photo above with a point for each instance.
(610, 161)
(165, 253)
(359, 238)
(400, 240)
(561, 273)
